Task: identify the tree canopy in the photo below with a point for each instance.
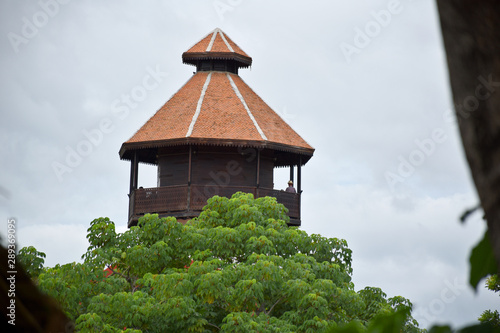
(238, 267)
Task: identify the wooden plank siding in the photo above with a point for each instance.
(211, 166)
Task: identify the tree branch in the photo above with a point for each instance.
(130, 279)
(217, 327)
(272, 307)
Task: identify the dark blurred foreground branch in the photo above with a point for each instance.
(471, 35)
(31, 311)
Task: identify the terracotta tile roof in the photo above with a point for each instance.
(216, 45)
(216, 108)
(273, 126)
(222, 114)
(208, 107)
(172, 119)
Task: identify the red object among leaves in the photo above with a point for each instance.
(108, 272)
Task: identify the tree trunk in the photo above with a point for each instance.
(471, 35)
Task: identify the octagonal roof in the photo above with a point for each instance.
(217, 108)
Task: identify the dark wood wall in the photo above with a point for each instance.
(217, 65)
(222, 166)
(173, 169)
(266, 172)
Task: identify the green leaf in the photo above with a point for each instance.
(440, 329)
(482, 261)
(480, 328)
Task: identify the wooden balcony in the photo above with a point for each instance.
(185, 202)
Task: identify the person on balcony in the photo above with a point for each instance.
(290, 187)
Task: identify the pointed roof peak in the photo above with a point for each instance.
(216, 45)
(212, 40)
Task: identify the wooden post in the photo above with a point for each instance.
(134, 172)
(189, 179)
(258, 168)
(189, 165)
(258, 173)
(299, 183)
(299, 176)
(134, 168)
(291, 172)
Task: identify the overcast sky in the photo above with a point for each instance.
(364, 82)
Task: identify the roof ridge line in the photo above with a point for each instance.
(198, 106)
(212, 40)
(225, 41)
(240, 96)
(276, 113)
(171, 96)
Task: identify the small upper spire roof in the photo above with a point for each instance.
(216, 45)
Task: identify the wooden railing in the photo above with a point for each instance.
(183, 198)
(160, 199)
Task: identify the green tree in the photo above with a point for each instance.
(488, 316)
(31, 260)
(238, 267)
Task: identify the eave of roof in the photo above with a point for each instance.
(127, 149)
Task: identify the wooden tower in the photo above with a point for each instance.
(215, 136)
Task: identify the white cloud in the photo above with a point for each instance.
(62, 243)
